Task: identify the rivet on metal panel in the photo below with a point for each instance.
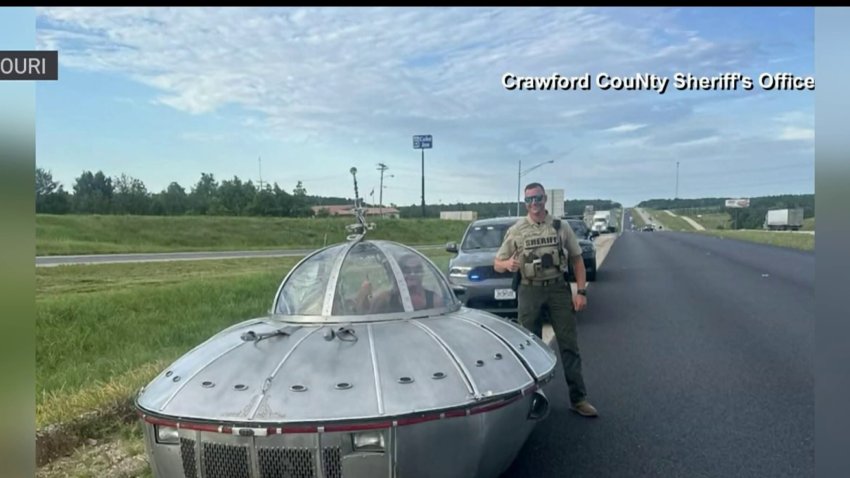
(438, 375)
(240, 387)
(405, 380)
(343, 386)
(479, 363)
(521, 346)
(498, 356)
(176, 378)
(298, 388)
(208, 384)
(169, 373)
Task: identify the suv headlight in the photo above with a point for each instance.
(459, 271)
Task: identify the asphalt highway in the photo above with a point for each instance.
(698, 354)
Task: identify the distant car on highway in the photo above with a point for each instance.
(648, 228)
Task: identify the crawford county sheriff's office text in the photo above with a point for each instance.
(659, 83)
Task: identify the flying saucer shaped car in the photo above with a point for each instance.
(367, 366)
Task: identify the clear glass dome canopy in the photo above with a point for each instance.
(362, 281)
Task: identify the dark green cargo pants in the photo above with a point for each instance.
(558, 296)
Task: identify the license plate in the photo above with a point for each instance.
(505, 294)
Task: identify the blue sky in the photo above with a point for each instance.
(17, 115)
(164, 94)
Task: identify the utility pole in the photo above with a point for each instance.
(260, 160)
(381, 167)
(677, 180)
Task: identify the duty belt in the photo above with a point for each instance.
(540, 283)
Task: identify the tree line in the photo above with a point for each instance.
(97, 193)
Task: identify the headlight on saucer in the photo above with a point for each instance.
(460, 272)
(368, 441)
(166, 435)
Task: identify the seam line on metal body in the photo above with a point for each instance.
(378, 391)
(521, 359)
(467, 377)
(277, 369)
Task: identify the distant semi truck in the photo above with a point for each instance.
(784, 219)
(602, 222)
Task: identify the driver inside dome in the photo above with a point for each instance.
(413, 268)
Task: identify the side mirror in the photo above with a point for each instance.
(451, 247)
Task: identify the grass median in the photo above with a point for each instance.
(93, 234)
(672, 223)
(805, 242)
(637, 219)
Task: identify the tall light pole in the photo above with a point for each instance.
(520, 174)
(423, 142)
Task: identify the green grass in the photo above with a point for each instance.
(804, 242)
(113, 320)
(672, 223)
(637, 219)
(93, 234)
(104, 331)
(712, 221)
(808, 224)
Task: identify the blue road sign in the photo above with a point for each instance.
(422, 141)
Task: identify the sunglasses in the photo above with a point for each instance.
(532, 199)
(412, 270)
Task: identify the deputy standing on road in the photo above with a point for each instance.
(536, 246)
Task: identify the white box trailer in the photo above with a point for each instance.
(556, 202)
(784, 219)
(459, 215)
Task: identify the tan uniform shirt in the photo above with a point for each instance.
(534, 242)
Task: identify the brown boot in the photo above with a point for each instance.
(585, 409)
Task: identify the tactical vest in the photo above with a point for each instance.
(541, 256)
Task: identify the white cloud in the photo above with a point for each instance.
(795, 134)
(626, 128)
